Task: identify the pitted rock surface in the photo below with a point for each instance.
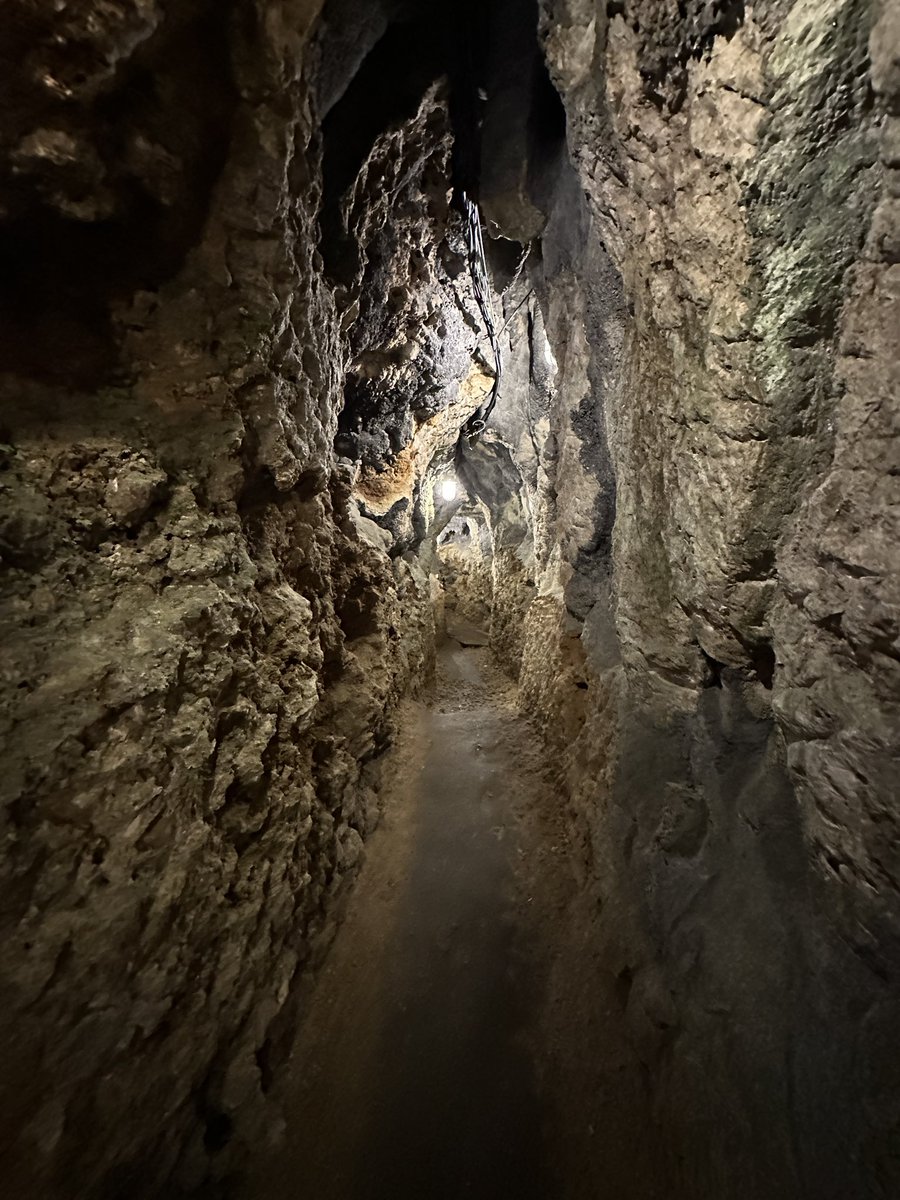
(238, 342)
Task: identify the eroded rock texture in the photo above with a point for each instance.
(712, 647)
(238, 341)
(205, 631)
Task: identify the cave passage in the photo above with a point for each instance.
(430, 1060)
(449, 600)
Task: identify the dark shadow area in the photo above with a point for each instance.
(386, 90)
(106, 199)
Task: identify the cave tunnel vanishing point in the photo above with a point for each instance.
(449, 513)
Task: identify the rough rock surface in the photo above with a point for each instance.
(204, 630)
(712, 640)
(237, 343)
(466, 567)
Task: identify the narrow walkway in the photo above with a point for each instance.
(418, 1071)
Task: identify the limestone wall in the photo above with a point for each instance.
(205, 627)
(712, 560)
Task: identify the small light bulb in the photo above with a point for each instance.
(448, 489)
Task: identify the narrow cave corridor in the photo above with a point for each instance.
(450, 605)
(422, 1063)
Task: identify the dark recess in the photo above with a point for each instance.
(422, 43)
(60, 275)
(386, 90)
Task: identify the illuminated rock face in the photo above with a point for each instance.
(205, 630)
(710, 461)
(238, 341)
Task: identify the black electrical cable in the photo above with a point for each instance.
(482, 288)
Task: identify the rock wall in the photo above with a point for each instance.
(712, 643)
(209, 612)
(238, 342)
(465, 567)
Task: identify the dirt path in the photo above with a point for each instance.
(432, 1059)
